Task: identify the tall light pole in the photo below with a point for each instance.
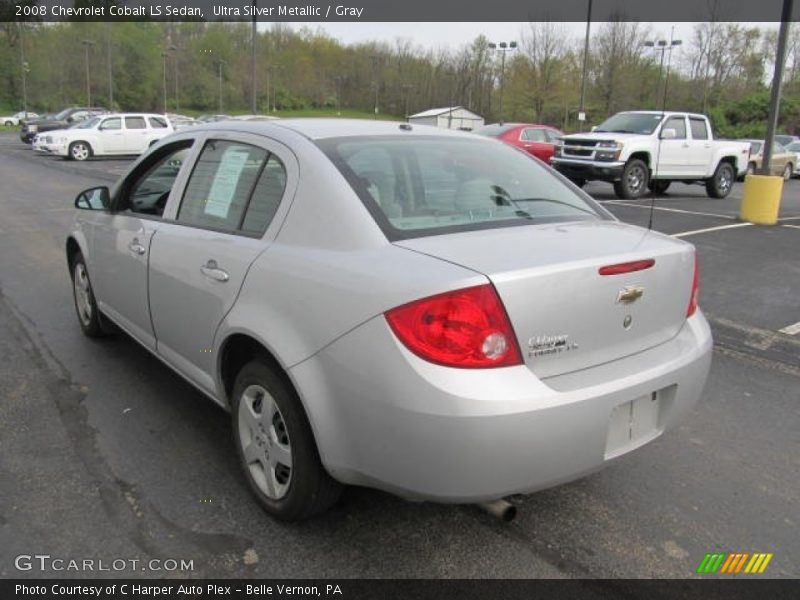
(338, 81)
(663, 46)
(164, 80)
(24, 68)
(174, 49)
(253, 59)
(110, 71)
(220, 63)
(503, 48)
(88, 44)
(777, 84)
(376, 59)
(582, 108)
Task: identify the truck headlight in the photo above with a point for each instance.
(608, 150)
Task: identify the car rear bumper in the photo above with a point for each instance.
(385, 418)
(588, 169)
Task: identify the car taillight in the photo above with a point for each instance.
(695, 289)
(466, 328)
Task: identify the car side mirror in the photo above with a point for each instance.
(93, 199)
(669, 134)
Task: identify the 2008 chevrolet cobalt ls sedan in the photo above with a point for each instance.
(431, 313)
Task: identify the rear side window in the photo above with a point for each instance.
(428, 185)
(533, 134)
(135, 123)
(699, 129)
(266, 197)
(157, 123)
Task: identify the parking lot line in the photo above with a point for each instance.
(675, 210)
(708, 229)
(793, 329)
(790, 225)
(788, 219)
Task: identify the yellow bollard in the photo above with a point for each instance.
(761, 199)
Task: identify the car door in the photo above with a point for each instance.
(110, 136)
(199, 259)
(135, 135)
(671, 160)
(699, 153)
(534, 141)
(779, 158)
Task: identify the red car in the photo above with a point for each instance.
(538, 140)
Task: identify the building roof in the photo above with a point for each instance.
(435, 112)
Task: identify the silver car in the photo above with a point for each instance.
(428, 312)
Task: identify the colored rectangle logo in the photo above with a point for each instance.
(734, 563)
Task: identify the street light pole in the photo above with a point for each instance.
(164, 80)
(220, 62)
(581, 109)
(253, 59)
(110, 69)
(175, 50)
(663, 46)
(777, 82)
(503, 48)
(88, 44)
(25, 68)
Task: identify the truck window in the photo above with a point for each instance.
(679, 125)
(699, 128)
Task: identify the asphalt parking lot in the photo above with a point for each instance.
(104, 453)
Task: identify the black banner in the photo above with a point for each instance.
(409, 589)
(388, 11)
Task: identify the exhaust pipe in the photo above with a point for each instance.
(502, 509)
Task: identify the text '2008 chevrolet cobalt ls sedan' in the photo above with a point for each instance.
(427, 312)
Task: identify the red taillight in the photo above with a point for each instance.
(695, 289)
(628, 267)
(467, 328)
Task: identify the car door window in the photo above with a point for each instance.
(534, 135)
(111, 124)
(699, 128)
(157, 122)
(221, 185)
(552, 136)
(135, 123)
(679, 125)
(147, 190)
(266, 197)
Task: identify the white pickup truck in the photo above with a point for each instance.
(642, 150)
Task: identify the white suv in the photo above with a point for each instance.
(120, 133)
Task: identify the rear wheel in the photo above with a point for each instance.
(276, 446)
(633, 183)
(658, 186)
(787, 171)
(721, 183)
(79, 151)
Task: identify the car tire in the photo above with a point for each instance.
(270, 428)
(89, 317)
(635, 177)
(579, 182)
(787, 171)
(721, 183)
(79, 151)
(658, 186)
(8, 123)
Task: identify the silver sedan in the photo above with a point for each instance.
(427, 312)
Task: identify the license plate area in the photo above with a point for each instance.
(634, 423)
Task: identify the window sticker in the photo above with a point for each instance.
(220, 196)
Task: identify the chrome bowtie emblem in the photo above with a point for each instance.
(630, 294)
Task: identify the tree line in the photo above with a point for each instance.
(723, 69)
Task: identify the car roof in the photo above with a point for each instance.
(317, 129)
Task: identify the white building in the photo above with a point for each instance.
(451, 117)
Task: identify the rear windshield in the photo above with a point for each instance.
(432, 185)
(495, 129)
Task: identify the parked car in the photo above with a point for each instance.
(117, 133)
(785, 140)
(254, 117)
(181, 121)
(413, 309)
(59, 121)
(794, 148)
(213, 118)
(13, 120)
(641, 150)
(538, 140)
(784, 162)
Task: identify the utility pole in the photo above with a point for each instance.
(376, 59)
(663, 46)
(777, 83)
(25, 68)
(164, 81)
(581, 108)
(175, 50)
(253, 59)
(110, 69)
(88, 44)
(503, 48)
(220, 62)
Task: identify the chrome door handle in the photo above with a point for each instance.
(136, 247)
(212, 271)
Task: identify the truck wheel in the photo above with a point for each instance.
(721, 182)
(276, 447)
(635, 177)
(658, 186)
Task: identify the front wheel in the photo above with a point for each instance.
(276, 447)
(787, 171)
(721, 183)
(85, 304)
(79, 151)
(635, 177)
